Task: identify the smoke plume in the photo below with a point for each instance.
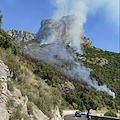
(80, 9)
(61, 31)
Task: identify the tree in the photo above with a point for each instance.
(0, 19)
(110, 113)
(5, 39)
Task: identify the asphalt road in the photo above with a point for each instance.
(72, 117)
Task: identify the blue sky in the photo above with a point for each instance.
(101, 26)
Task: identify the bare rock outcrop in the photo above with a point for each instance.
(4, 93)
(56, 114)
(58, 30)
(38, 114)
(20, 35)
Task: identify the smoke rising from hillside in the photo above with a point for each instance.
(61, 31)
(80, 9)
(84, 73)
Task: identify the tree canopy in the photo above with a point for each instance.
(0, 19)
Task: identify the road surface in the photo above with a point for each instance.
(72, 117)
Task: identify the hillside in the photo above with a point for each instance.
(23, 95)
(57, 76)
(77, 89)
(105, 67)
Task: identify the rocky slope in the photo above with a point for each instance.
(56, 30)
(20, 35)
(53, 45)
(52, 40)
(60, 30)
(14, 105)
(49, 31)
(59, 43)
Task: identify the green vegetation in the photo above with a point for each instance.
(0, 85)
(107, 73)
(47, 73)
(17, 115)
(81, 101)
(6, 42)
(22, 67)
(16, 110)
(10, 85)
(106, 68)
(29, 107)
(110, 113)
(10, 103)
(45, 86)
(0, 19)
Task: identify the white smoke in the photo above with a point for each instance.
(84, 73)
(80, 9)
(109, 8)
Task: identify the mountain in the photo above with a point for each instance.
(86, 76)
(52, 40)
(58, 30)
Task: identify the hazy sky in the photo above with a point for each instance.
(101, 22)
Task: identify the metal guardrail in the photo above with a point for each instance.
(104, 118)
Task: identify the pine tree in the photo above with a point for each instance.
(0, 19)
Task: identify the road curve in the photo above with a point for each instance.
(72, 117)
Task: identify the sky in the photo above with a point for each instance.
(101, 23)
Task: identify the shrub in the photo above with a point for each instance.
(6, 42)
(110, 113)
(29, 108)
(46, 73)
(17, 115)
(1, 19)
(10, 85)
(10, 103)
(0, 85)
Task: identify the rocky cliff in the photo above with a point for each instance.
(20, 35)
(59, 30)
(13, 105)
(50, 31)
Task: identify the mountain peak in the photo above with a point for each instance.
(54, 30)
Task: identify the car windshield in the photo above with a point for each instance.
(85, 112)
(77, 111)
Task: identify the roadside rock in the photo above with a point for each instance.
(4, 93)
(56, 114)
(38, 114)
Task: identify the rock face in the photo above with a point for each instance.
(4, 93)
(56, 114)
(50, 31)
(38, 114)
(20, 35)
(58, 30)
